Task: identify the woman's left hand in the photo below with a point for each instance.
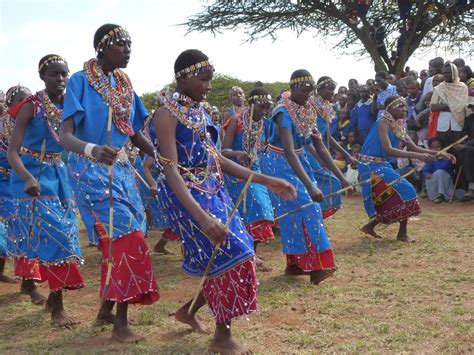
(449, 156)
(345, 183)
(281, 187)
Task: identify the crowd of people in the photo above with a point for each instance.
(185, 169)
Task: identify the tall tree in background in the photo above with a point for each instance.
(360, 27)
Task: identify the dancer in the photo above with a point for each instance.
(304, 238)
(329, 177)
(243, 143)
(389, 198)
(48, 231)
(237, 99)
(197, 204)
(84, 134)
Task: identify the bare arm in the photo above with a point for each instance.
(327, 159)
(228, 141)
(23, 118)
(440, 108)
(103, 153)
(140, 141)
(148, 164)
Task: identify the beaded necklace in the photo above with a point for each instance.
(51, 113)
(397, 126)
(304, 116)
(121, 97)
(6, 130)
(185, 114)
(251, 141)
(324, 108)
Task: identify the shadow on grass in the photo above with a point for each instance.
(370, 245)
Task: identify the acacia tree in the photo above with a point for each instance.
(409, 24)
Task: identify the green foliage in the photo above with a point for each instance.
(219, 97)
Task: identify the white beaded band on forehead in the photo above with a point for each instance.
(396, 103)
(306, 80)
(195, 69)
(325, 83)
(10, 95)
(52, 59)
(260, 99)
(113, 36)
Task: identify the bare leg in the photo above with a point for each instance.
(316, 277)
(122, 331)
(3, 277)
(28, 287)
(105, 315)
(259, 263)
(54, 304)
(160, 248)
(184, 315)
(224, 343)
(369, 228)
(402, 232)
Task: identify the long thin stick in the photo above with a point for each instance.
(111, 198)
(217, 247)
(456, 184)
(252, 106)
(33, 204)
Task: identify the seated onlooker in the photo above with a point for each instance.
(350, 141)
(340, 161)
(438, 176)
(404, 165)
(340, 127)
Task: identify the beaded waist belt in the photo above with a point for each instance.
(122, 157)
(368, 158)
(4, 171)
(48, 157)
(281, 151)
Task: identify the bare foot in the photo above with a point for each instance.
(103, 319)
(316, 277)
(405, 238)
(161, 249)
(182, 316)
(261, 266)
(294, 270)
(7, 279)
(228, 346)
(124, 334)
(61, 319)
(367, 229)
(28, 287)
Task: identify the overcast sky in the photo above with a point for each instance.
(32, 28)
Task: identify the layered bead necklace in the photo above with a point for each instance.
(397, 126)
(251, 141)
(51, 113)
(304, 117)
(120, 97)
(324, 108)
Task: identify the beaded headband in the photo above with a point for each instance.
(52, 59)
(325, 83)
(113, 36)
(260, 99)
(195, 69)
(234, 89)
(13, 91)
(396, 103)
(302, 81)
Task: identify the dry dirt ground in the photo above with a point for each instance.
(386, 297)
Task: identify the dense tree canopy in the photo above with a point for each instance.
(360, 27)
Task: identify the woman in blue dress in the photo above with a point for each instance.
(389, 198)
(99, 89)
(243, 143)
(48, 229)
(304, 238)
(329, 177)
(198, 205)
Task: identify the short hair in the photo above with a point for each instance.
(468, 70)
(188, 58)
(382, 74)
(412, 81)
(102, 31)
(49, 58)
(436, 139)
(438, 61)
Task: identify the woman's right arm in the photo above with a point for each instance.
(22, 119)
(69, 141)
(147, 166)
(165, 128)
(228, 142)
(288, 148)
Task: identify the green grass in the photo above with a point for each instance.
(386, 297)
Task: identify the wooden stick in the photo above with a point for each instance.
(445, 149)
(217, 247)
(456, 184)
(33, 204)
(111, 199)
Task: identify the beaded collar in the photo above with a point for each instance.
(184, 109)
(121, 96)
(304, 117)
(397, 126)
(323, 107)
(51, 113)
(6, 129)
(252, 134)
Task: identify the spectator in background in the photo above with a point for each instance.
(401, 86)
(412, 99)
(377, 31)
(459, 62)
(351, 174)
(353, 84)
(363, 117)
(465, 75)
(413, 75)
(435, 67)
(438, 176)
(423, 76)
(385, 90)
(340, 127)
(392, 78)
(341, 90)
(450, 100)
(341, 102)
